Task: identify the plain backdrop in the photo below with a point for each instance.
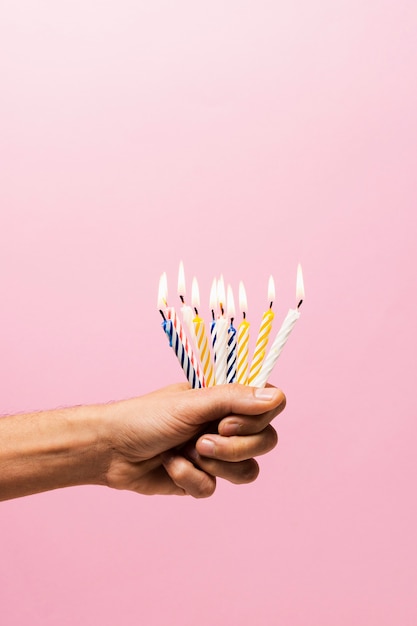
(242, 137)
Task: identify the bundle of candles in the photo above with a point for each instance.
(225, 357)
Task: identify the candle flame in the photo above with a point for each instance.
(162, 292)
(195, 294)
(221, 293)
(271, 290)
(300, 286)
(213, 295)
(181, 280)
(243, 303)
(231, 311)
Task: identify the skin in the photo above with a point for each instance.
(175, 440)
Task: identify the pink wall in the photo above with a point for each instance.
(241, 137)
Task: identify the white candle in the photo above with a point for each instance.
(282, 336)
(186, 311)
(220, 345)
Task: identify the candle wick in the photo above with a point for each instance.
(299, 304)
(222, 309)
(213, 315)
(163, 316)
(231, 321)
(244, 315)
(195, 310)
(272, 302)
(182, 299)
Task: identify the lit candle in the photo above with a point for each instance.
(201, 337)
(213, 307)
(283, 334)
(177, 338)
(186, 311)
(263, 335)
(231, 340)
(219, 335)
(242, 339)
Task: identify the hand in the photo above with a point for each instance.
(144, 436)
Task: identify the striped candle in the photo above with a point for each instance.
(282, 336)
(213, 307)
(231, 340)
(186, 311)
(263, 335)
(201, 337)
(177, 339)
(242, 339)
(220, 338)
(184, 351)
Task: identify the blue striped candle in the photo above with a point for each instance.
(231, 339)
(178, 340)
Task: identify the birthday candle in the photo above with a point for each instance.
(231, 340)
(283, 334)
(186, 311)
(242, 339)
(221, 329)
(177, 338)
(213, 307)
(201, 337)
(218, 331)
(264, 331)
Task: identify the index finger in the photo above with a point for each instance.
(249, 424)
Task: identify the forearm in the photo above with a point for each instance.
(51, 449)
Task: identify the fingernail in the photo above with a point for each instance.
(206, 446)
(265, 393)
(230, 428)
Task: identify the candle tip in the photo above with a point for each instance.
(299, 291)
(230, 303)
(243, 303)
(181, 281)
(271, 291)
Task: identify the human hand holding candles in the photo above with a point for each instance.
(133, 444)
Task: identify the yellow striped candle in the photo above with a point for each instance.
(263, 335)
(242, 339)
(201, 337)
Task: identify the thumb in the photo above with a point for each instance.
(199, 406)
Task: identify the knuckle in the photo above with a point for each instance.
(272, 437)
(205, 489)
(235, 450)
(250, 471)
(179, 471)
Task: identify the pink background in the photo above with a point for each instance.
(241, 137)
